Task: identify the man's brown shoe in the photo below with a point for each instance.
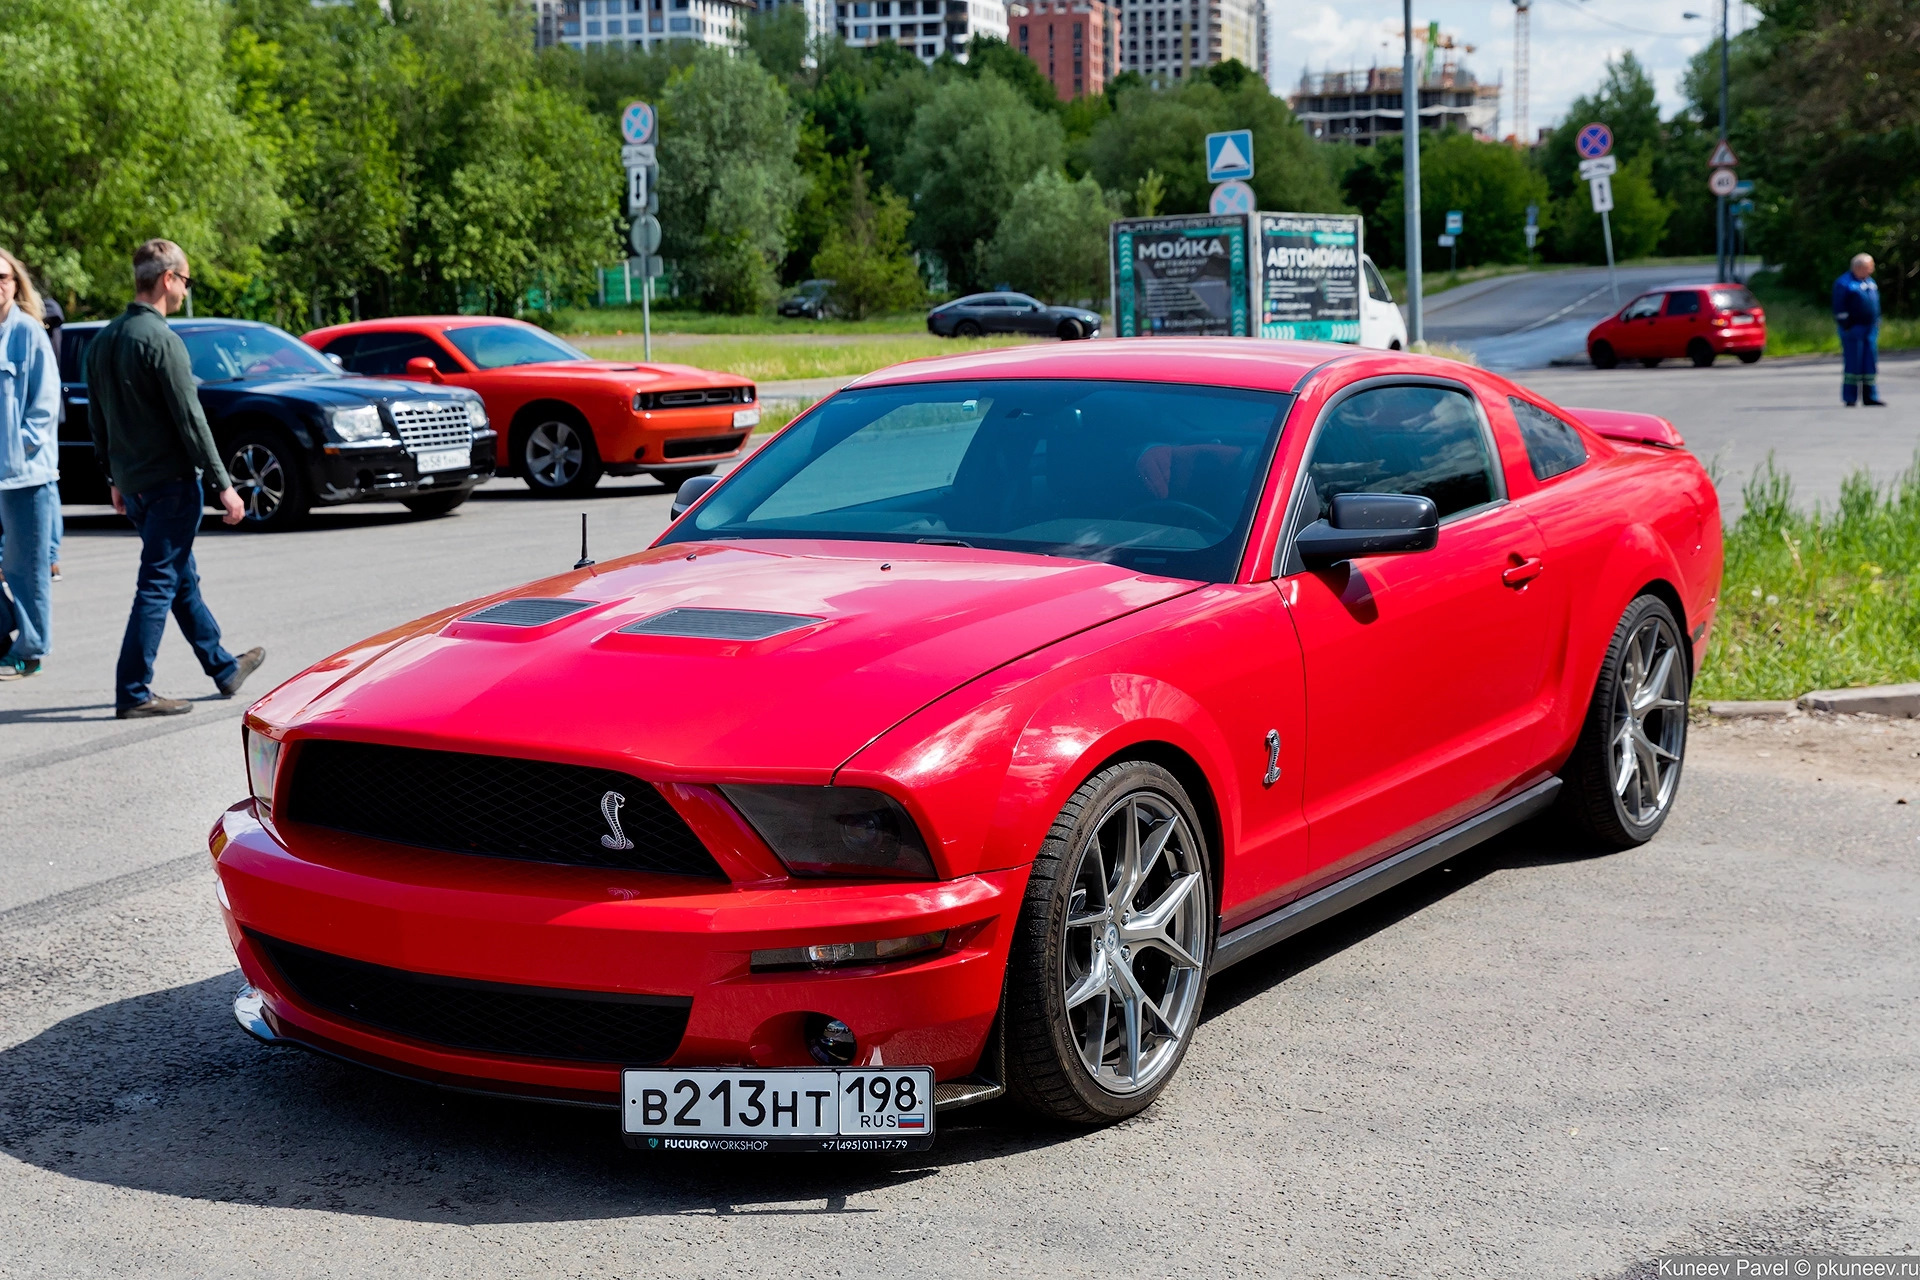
(249, 663)
(154, 707)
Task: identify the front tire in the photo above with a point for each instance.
(1070, 331)
(1701, 352)
(557, 457)
(269, 474)
(1602, 355)
(1109, 963)
(1620, 783)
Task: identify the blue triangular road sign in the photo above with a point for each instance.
(1230, 155)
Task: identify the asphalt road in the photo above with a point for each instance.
(1531, 320)
(1526, 1064)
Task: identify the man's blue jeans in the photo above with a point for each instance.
(26, 520)
(167, 517)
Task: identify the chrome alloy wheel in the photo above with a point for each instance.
(554, 454)
(1649, 726)
(1134, 953)
(259, 479)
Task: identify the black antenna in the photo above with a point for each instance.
(583, 562)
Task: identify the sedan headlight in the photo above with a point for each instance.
(835, 831)
(263, 761)
(476, 415)
(362, 422)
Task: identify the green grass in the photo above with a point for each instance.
(608, 320)
(776, 414)
(1826, 599)
(1800, 326)
(765, 361)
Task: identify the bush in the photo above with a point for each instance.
(866, 256)
(1053, 241)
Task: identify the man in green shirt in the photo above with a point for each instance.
(152, 439)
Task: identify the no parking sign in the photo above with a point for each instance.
(1594, 141)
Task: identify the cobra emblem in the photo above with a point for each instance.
(1273, 758)
(610, 810)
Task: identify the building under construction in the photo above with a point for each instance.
(1361, 106)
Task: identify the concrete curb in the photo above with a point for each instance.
(1899, 700)
(1753, 710)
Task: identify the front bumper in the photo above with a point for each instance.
(569, 929)
(386, 472)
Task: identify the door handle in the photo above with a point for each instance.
(1525, 571)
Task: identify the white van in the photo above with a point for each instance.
(1381, 324)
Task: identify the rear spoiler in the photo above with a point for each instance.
(1631, 428)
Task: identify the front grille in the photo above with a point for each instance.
(526, 611)
(496, 806)
(693, 398)
(432, 424)
(703, 445)
(719, 624)
(491, 1017)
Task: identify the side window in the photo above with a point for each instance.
(1642, 308)
(385, 355)
(1684, 303)
(342, 349)
(1553, 447)
(1376, 287)
(73, 354)
(1419, 440)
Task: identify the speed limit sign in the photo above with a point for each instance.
(1722, 182)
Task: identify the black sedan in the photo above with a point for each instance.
(295, 431)
(979, 313)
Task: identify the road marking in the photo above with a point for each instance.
(1539, 324)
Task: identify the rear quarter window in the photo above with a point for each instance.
(1553, 447)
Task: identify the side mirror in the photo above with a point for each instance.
(424, 367)
(692, 491)
(338, 363)
(1369, 524)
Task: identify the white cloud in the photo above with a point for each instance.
(1572, 40)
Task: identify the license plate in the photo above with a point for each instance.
(442, 460)
(784, 1109)
(746, 417)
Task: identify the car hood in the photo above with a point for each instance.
(884, 630)
(334, 392)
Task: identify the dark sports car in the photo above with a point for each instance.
(979, 313)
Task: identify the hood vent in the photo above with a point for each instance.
(719, 624)
(528, 611)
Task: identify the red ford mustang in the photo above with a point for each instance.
(565, 419)
(954, 740)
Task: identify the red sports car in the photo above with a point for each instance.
(1697, 321)
(953, 741)
(565, 418)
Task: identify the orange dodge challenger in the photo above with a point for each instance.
(565, 419)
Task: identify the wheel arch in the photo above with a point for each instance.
(533, 412)
(1199, 788)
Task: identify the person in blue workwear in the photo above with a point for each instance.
(29, 465)
(1856, 309)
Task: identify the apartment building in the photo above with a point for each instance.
(587, 24)
(1363, 106)
(1166, 40)
(1071, 41)
(929, 28)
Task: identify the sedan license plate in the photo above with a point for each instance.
(783, 1109)
(443, 460)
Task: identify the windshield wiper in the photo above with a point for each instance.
(943, 542)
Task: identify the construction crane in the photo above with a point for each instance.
(1435, 39)
(1522, 38)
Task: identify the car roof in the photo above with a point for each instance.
(1258, 364)
(388, 323)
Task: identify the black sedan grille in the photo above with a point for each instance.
(498, 806)
(490, 1017)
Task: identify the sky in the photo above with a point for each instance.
(1572, 40)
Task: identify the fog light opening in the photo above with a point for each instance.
(829, 1040)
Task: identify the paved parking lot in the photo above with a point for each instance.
(1523, 1064)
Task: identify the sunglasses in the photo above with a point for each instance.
(186, 281)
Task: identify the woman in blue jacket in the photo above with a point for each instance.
(1856, 309)
(29, 466)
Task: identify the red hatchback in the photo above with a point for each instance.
(950, 744)
(1695, 321)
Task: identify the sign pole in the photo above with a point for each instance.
(1606, 229)
(646, 317)
(1410, 180)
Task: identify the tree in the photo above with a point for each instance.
(989, 55)
(778, 38)
(1490, 183)
(866, 256)
(120, 127)
(1639, 217)
(1053, 241)
(1625, 102)
(972, 145)
(729, 180)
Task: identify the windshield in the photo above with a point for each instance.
(228, 353)
(495, 346)
(1153, 476)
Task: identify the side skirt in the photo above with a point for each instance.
(1251, 939)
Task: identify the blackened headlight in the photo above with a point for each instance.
(835, 831)
(362, 422)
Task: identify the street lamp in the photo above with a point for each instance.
(1410, 178)
(1720, 229)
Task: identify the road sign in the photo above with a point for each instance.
(631, 156)
(1533, 215)
(639, 190)
(1722, 182)
(1455, 222)
(1744, 187)
(1231, 197)
(649, 266)
(1594, 141)
(1722, 157)
(1230, 155)
(1598, 167)
(637, 123)
(644, 235)
(1601, 189)
(1446, 241)
(1533, 234)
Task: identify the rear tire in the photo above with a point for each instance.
(1083, 1047)
(1620, 783)
(1749, 357)
(430, 505)
(269, 473)
(1701, 352)
(1602, 356)
(556, 456)
(967, 329)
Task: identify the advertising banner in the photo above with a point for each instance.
(1182, 276)
(1310, 276)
